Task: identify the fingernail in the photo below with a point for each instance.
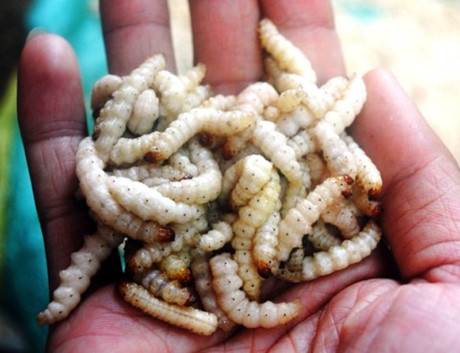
(34, 32)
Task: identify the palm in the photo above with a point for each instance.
(346, 309)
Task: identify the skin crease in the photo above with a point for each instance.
(367, 307)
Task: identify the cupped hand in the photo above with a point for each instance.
(367, 307)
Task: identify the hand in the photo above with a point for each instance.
(361, 308)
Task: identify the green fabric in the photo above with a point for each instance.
(7, 118)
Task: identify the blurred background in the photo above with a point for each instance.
(418, 41)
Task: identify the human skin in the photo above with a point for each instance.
(405, 300)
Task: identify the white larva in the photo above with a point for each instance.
(244, 179)
(345, 109)
(94, 186)
(253, 99)
(162, 287)
(265, 242)
(185, 236)
(149, 204)
(103, 89)
(158, 146)
(75, 279)
(111, 123)
(146, 111)
(338, 157)
(220, 234)
(368, 176)
(202, 276)
(342, 214)
(201, 189)
(255, 213)
(189, 318)
(337, 257)
(238, 307)
(299, 220)
(274, 146)
(287, 56)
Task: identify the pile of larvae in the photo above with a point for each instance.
(211, 195)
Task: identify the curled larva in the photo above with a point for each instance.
(158, 146)
(146, 111)
(342, 214)
(244, 179)
(238, 307)
(253, 99)
(249, 274)
(94, 186)
(202, 276)
(337, 257)
(187, 317)
(299, 220)
(75, 279)
(201, 189)
(274, 146)
(103, 89)
(158, 284)
(149, 204)
(294, 121)
(288, 57)
(321, 238)
(175, 91)
(220, 234)
(111, 123)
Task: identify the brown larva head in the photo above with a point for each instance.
(166, 234)
(153, 157)
(263, 269)
(373, 193)
(227, 151)
(206, 140)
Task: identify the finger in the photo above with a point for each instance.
(225, 40)
(310, 26)
(133, 31)
(421, 190)
(52, 121)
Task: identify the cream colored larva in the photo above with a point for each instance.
(274, 146)
(202, 276)
(160, 286)
(337, 257)
(238, 307)
(158, 146)
(201, 189)
(111, 123)
(153, 206)
(94, 186)
(189, 318)
(75, 279)
(244, 179)
(288, 57)
(299, 220)
(103, 89)
(146, 111)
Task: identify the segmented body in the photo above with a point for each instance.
(75, 279)
(238, 307)
(194, 320)
(336, 257)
